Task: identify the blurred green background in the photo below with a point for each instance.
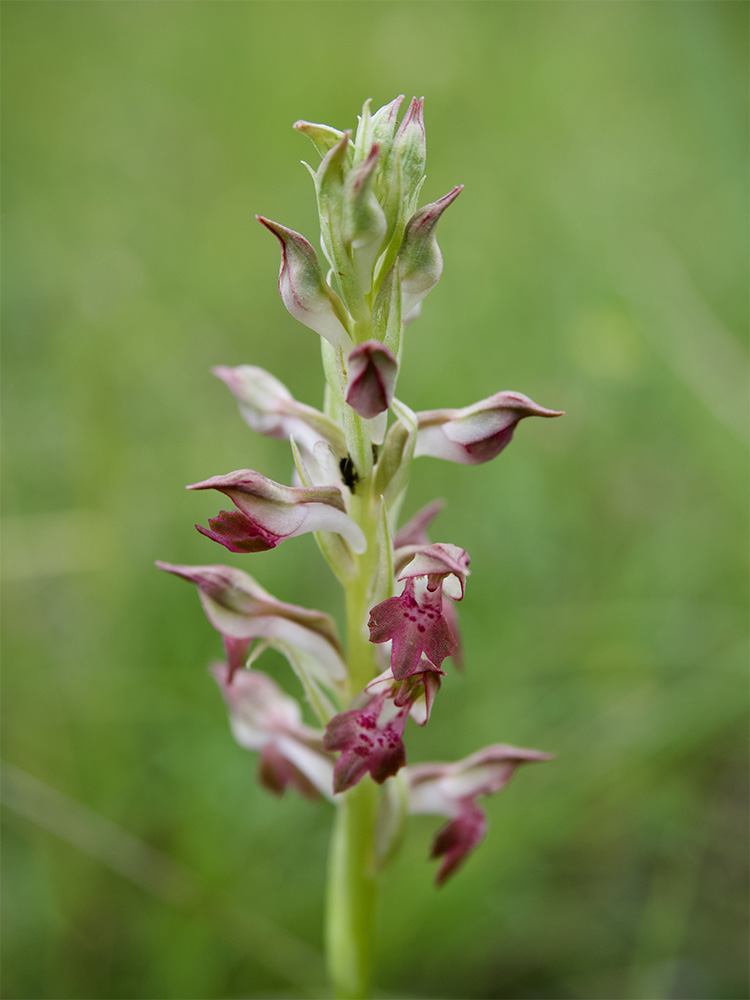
(597, 260)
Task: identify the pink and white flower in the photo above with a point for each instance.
(268, 513)
(476, 433)
(414, 621)
(262, 717)
(452, 790)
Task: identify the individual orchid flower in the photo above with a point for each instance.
(268, 513)
(414, 533)
(476, 433)
(304, 290)
(241, 610)
(452, 789)
(372, 379)
(262, 717)
(370, 740)
(414, 620)
(269, 408)
(420, 262)
(370, 736)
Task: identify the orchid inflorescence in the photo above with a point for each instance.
(351, 472)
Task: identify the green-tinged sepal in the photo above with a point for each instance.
(392, 470)
(364, 219)
(409, 152)
(390, 824)
(323, 137)
(380, 587)
(386, 313)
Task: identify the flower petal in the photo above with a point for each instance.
(476, 433)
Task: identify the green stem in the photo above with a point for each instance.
(351, 894)
(351, 886)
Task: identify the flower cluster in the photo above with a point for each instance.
(352, 458)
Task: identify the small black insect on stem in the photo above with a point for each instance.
(348, 472)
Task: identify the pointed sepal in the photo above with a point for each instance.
(420, 262)
(476, 433)
(303, 289)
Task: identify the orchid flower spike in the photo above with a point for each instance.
(352, 464)
(477, 433)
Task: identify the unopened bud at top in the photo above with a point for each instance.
(365, 223)
(410, 149)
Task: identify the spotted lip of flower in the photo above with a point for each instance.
(414, 620)
(370, 739)
(268, 512)
(476, 433)
(264, 718)
(370, 736)
(452, 789)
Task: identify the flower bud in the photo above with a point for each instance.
(304, 290)
(420, 262)
(268, 512)
(476, 433)
(372, 379)
(383, 123)
(410, 150)
(364, 219)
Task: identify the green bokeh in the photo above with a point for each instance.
(597, 260)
